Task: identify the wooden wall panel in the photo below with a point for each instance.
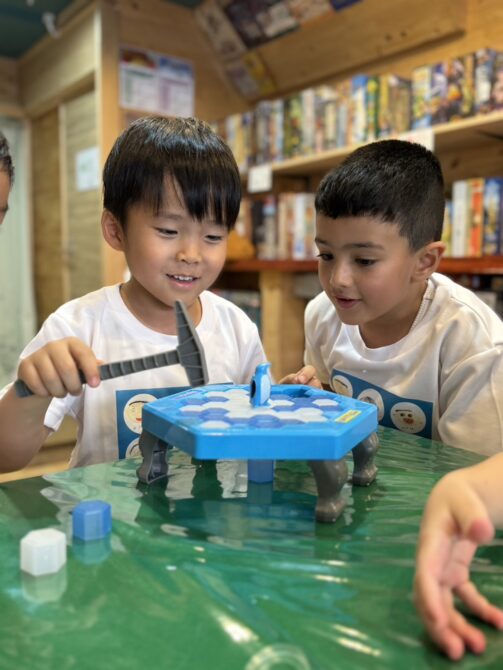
(484, 29)
(56, 69)
(339, 42)
(81, 209)
(50, 263)
(10, 104)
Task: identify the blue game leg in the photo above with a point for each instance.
(260, 472)
(330, 477)
(364, 469)
(154, 464)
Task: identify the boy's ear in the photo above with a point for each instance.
(112, 230)
(428, 260)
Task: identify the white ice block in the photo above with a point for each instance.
(43, 551)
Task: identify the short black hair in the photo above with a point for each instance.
(6, 164)
(399, 182)
(186, 150)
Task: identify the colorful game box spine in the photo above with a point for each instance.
(330, 120)
(497, 83)
(421, 100)
(262, 135)
(308, 120)
(438, 93)
(401, 104)
(310, 225)
(493, 216)
(483, 76)
(476, 217)
(274, 17)
(460, 203)
(221, 33)
(244, 224)
(359, 109)
(447, 228)
(343, 113)
(395, 105)
(292, 127)
(277, 130)
(270, 212)
(244, 21)
(304, 10)
(323, 97)
(460, 87)
(372, 111)
(286, 226)
(299, 226)
(384, 106)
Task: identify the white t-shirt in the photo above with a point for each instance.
(443, 380)
(109, 417)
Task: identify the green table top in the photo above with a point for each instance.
(201, 573)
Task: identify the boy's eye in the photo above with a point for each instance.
(366, 261)
(214, 238)
(325, 256)
(168, 232)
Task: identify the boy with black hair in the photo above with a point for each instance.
(6, 176)
(388, 328)
(172, 192)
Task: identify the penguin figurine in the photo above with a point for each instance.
(260, 387)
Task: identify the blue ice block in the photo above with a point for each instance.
(92, 520)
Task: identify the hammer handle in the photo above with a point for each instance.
(118, 369)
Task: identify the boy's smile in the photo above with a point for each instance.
(171, 256)
(370, 274)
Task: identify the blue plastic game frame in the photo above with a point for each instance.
(344, 423)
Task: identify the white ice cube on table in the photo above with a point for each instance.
(43, 551)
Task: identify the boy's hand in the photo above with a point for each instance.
(455, 522)
(306, 375)
(53, 370)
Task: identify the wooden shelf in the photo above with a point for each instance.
(487, 265)
(475, 131)
(484, 265)
(258, 265)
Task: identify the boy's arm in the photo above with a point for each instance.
(50, 371)
(22, 429)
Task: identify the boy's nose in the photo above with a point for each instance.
(341, 276)
(189, 254)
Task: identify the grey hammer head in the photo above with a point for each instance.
(190, 350)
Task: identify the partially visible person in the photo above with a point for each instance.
(461, 513)
(388, 328)
(6, 176)
(171, 190)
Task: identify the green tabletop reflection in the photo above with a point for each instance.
(206, 571)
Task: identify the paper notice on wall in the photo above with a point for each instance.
(87, 169)
(176, 87)
(153, 82)
(139, 87)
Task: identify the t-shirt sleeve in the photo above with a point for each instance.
(312, 351)
(471, 404)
